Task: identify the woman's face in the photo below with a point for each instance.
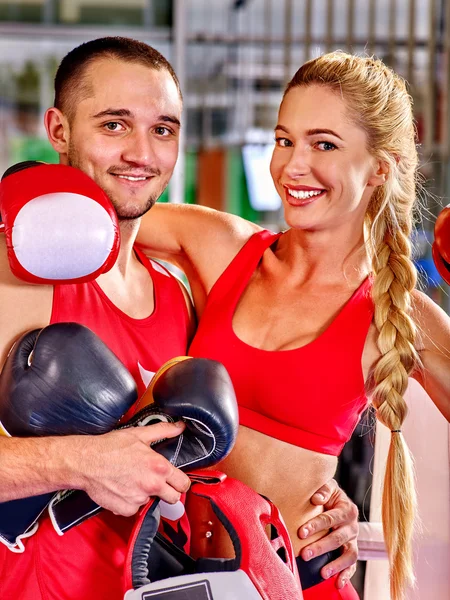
(321, 166)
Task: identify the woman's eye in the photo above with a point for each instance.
(327, 146)
(283, 142)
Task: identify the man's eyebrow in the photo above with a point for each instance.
(124, 112)
(169, 119)
(113, 112)
(311, 132)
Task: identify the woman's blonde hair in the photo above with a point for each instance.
(377, 101)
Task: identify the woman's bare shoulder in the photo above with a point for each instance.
(200, 240)
(432, 321)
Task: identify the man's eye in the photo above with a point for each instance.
(113, 126)
(327, 146)
(162, 131)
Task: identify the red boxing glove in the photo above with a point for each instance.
(60, 226)
(441, 245)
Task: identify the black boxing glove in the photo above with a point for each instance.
(263, 568)
(59, 224)
(441, 244)
(197, 390)
(60, 380)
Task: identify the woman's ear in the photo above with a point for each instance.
(379, 174)
(57, 128)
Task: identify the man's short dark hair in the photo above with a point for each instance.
(71, 84)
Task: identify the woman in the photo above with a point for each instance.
(312, 321)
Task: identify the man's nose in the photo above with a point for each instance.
(139, 149)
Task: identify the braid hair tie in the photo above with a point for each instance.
(396, 430)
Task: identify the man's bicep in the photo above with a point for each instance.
(23, 308)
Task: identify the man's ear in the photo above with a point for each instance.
(57, 128)
(379, 174)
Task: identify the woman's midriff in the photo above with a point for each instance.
(286, 474)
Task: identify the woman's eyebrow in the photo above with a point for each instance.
(322, 131)
(311, 132)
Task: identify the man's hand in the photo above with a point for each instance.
(340, 519)
(120, 471)
(197, 390)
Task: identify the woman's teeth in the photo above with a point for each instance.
(303, 194)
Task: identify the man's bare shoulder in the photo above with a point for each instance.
(23, 306)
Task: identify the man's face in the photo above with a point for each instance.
(125, 135)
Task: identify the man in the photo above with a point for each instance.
(117, 118)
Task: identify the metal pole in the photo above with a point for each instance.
(48, 13)
(350, 24)
(430, 98)
(176, 188)
(147, 14)
(411, 40)
(287, 40)
(371, 27)
(330, 22)
(267, 59)
(308, 33)
(392, 33)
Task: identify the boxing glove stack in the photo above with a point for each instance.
(197, 390)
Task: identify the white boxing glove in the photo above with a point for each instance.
(60, 226)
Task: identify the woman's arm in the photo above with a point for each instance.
(434, 350)
(199, 240)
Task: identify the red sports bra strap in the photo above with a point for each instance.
(243, 265)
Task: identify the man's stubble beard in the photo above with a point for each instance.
(129, 215)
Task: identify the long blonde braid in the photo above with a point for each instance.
(377, 101)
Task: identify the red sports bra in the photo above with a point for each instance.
(311, 396)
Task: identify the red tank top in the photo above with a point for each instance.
(311, 396)
(143, 345)
(88, 561)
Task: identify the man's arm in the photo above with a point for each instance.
(118, 470)
(31, 466)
